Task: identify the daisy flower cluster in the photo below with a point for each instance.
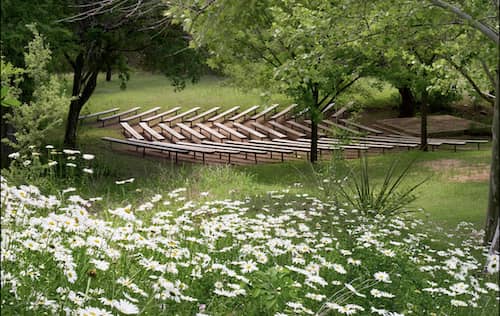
(50, 162)
(294, 255)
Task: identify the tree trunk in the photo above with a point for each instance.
(314, 141)
(407, 105)
(423, 126)
(314, 124)
(494, 191)
(72, 124)
(83, 87)
(108, 73)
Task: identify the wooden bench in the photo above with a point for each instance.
(299, 126)
(146, 145)
(283, 112)
(358, 148)
(211, 133)
(118, 115)
(361, 127)
(230, 132)
(278, 145)
(342, 110)
(215, 149)
(171, 133)
(172, 119)
(306, 146)
(263, 114)
(250, 132)
(97, 114)
(140, 115)
(356, 143)
(286, 129)
(269, 131)
(150, 132)
(250, 111)
(189, 147)
(300, 114)
(190, 133)
(129, 131)
(203, 115)
(255, 149)
(223, 114)
(335, 125)
(328, 107)
(161, 115)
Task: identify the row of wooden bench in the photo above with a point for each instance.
(252, 148)
(170, 116)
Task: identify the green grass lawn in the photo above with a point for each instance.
(446, 200)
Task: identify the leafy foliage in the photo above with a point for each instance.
(33, 121)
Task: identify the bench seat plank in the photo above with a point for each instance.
(170, 133)
(360, 126)
(145, 144)
(118, 115)
(286, 129)
(150, 131)
(172, 119)
(215, 149)
(190, 132)
(140, 115)
(244, 114)
(264, 112)
(161, 115)
(129, 130)
(250, 132)
(210, 131)
(224, 114)
(229, 131)
(242, 146)
(203, 115)
(97, 114)
(272, 133)
(335, 125)
(283, 112)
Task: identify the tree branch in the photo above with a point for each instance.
(486, 30)
(476, 88)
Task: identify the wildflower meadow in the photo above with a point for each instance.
(280, 253)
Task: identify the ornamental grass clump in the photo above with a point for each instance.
(293, 254)
(388, 198)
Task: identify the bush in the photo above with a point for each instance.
(387, 198)
(37, 119)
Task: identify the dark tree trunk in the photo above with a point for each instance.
(407, 105)
(493, 213)
(83, 87)
(423, 126)
(314, 125)
(314, 141)
(72, 124)
(108, 73)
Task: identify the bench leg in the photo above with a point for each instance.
(203, 157)
(229, 158)
(282, 157)
(255, 158)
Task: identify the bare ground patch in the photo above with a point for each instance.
(455, 170)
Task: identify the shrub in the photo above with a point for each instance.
(37, 119)
(387, 198)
